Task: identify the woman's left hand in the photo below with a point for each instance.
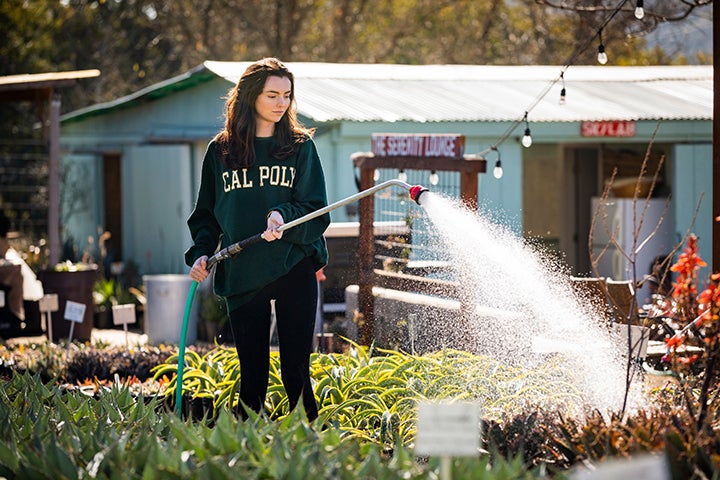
(274, 221)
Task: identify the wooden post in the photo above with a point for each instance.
(469, 188)
(716, 143)
(367, 163)
(366, 252)
(54, 182)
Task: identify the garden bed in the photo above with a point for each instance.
(367, 403)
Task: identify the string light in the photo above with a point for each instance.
(579, 50)
(562, 91)
(376, 175)
(497, 171)
(526, 139)
(639, 11)
(402, 176)
(602, 56)
(434, 178)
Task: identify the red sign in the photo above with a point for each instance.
(607, 129)
(412, 145)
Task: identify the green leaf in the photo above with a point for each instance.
(223, 440)
(60, 463)
(9, 456)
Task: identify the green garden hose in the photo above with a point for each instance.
(181, 354)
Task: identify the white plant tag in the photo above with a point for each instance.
(74, 311)
(448, 429)
(49, 303)
(123, 314)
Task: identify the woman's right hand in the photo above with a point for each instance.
(199, 272)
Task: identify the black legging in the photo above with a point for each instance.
(295, 297)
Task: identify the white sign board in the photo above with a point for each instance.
(448, 429)
(123, 314)
(644, 467)
(74, 311)
(49, 303)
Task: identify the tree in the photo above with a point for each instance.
(136, 43)
(624, 32)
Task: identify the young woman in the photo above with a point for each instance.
(261, 171)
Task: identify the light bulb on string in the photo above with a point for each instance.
(376, 175)
(434, 178)
(498, 170)
(639, 11)
(402, 176)
(527, 138)
(601, 56)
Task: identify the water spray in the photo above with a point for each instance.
(415, 192)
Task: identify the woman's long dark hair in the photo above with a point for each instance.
(237, 139)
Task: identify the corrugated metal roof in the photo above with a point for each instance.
(434, 93)
(25, 80)
(159, 90)
(329, 92)
(37, 86)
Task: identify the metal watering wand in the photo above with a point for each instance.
(232, 250)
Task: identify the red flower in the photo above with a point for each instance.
(674, 341)
(687, 360)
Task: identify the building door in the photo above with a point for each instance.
(581, 167)
(112, 204)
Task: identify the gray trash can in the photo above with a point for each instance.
(165, 308)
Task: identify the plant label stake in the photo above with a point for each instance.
(447, 430)
(75, 313)
(122, 315)
(641, 467)
(48, 304)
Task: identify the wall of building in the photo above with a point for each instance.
(167, 138)
(692, 180)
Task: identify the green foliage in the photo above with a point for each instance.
(48, 433)
(366, 426)
(372, 395)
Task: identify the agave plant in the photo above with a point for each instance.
(47, 432)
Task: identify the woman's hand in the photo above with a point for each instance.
(199, 272)
(274, 221)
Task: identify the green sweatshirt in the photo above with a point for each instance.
(233, 204)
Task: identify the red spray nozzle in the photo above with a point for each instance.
(416, 191)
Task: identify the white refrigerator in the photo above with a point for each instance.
(615, 218)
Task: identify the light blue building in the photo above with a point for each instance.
(132, 165)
